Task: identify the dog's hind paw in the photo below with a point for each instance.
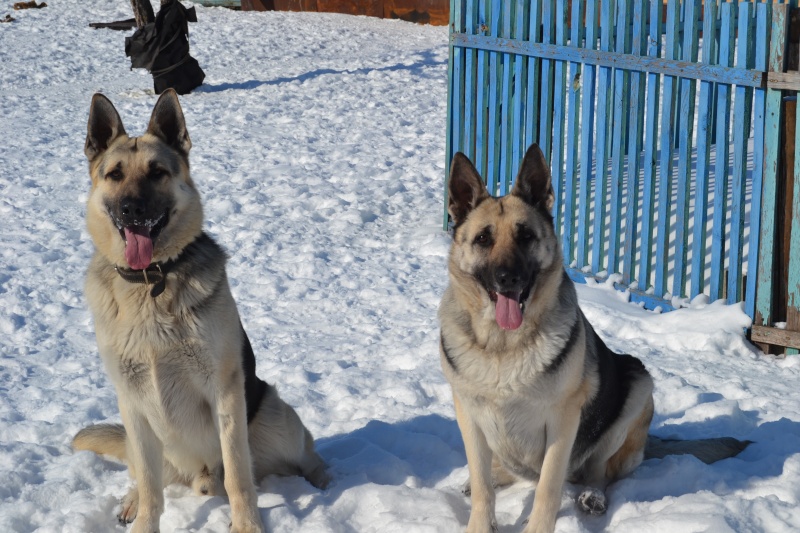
(130, 506)
(593, 501)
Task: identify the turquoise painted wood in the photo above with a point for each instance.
(589, 90)
(559, 111)
(727, 43)
(602, 148)
(685, 146)
(769, 188)
(644, 111)
(622, 111)
(665, 158)
(763, 23)
(492, 148)
(742, 107)
(572, 139)
(637, 81)
(704, 141)
(650, 162)
(481, 93)
(520, 88)
(506, 82)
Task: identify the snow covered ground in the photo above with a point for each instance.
(319, 150)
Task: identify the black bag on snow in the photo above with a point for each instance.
(162, 47)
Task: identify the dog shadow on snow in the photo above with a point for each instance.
(429, 449)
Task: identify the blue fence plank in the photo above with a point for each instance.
(686, 132)
(763, 16)
(504, 171)
(665, 159)
(602, 149)
(520, 88)
(468, 145)
(547, 80)
(766, 250)
(534, 65)
(672, 67)
(742, 107)
(559, 114)
(650, 149)
(622, 111)
(454, 8)
(481, 93)
(573, 136)
(721, 172)
(638, 40)
(704, 129)
(495, 74)
(588, 89)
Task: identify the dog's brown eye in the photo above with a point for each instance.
(484, 239)
(525, 234)
(115, 175)
(156, 174)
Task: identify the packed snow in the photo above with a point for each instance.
(318, 146)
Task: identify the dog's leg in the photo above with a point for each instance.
(479, 463)
(146, 500)
(236, 457)
(561, 431)
(500, 477)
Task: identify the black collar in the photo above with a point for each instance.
(155, 274)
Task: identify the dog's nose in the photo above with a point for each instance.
(507, 278)
(131, 208)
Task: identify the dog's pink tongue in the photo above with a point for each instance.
(507, 311)
(138, 247)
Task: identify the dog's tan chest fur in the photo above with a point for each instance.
(148, 346)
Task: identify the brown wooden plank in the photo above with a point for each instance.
(775, 336)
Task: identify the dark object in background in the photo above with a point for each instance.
(162, 47)
(122, 25)
(29, 5)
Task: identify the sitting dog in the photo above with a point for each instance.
(169, 334)
(537, 394)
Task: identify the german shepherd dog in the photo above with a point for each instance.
(537, 394)
(169, 334)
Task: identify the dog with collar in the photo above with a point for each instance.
(169, 334)
(538, 395)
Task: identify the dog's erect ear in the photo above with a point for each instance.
(104, 126)
(465, 188)
(168, 124)
(533, 181)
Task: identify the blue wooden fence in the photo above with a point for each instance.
(661, 122)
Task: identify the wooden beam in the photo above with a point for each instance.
(775, 336)
(684, 69)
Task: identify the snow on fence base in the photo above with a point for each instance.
(661, 127)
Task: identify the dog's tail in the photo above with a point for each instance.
(103, 439)
(707, 450)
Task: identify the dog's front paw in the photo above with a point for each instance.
(593, 501)
(130, 506)
(482, 526)
(248, 527)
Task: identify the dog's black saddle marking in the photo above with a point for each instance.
(254, 387)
